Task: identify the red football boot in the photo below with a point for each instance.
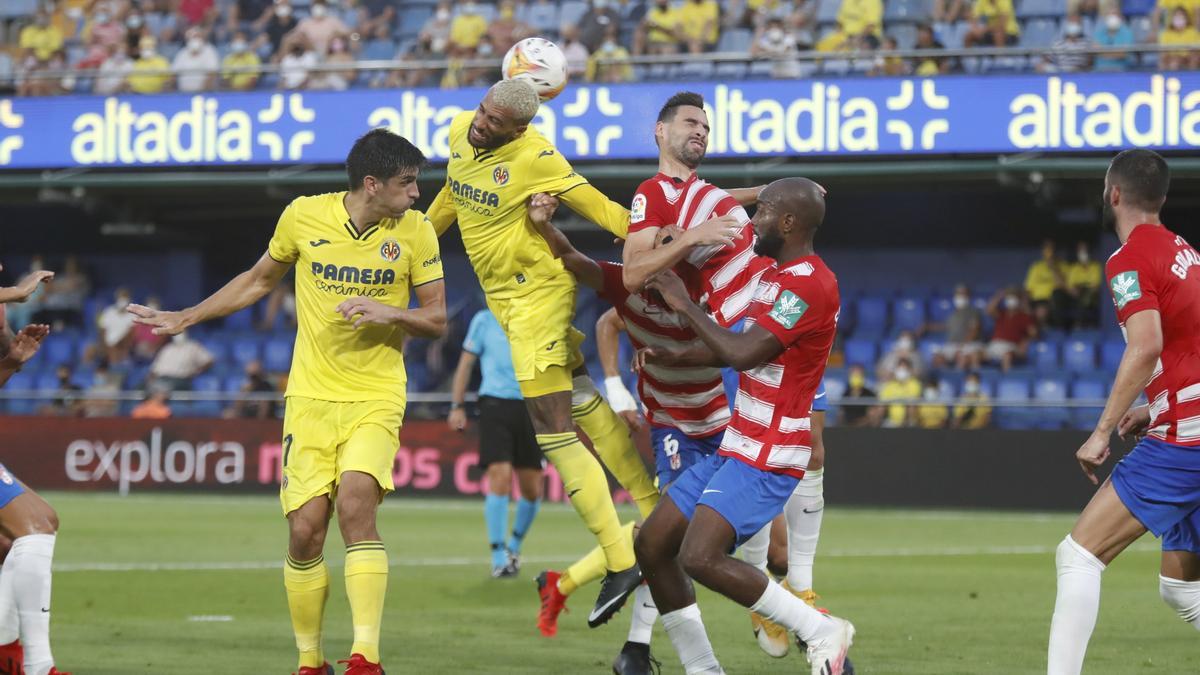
(56, 671)
(12, 658)
(553, 602)
(357, 664)
(323, 669)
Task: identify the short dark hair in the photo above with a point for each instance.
(382, 154)
(1143, 177)
(681, 99)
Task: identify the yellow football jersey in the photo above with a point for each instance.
(487, 191)
(332, 360)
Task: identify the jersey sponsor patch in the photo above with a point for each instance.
(788, 309)
(1125, 288)
(637, 212)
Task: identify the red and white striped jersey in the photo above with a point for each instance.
(1153, 270)
(771, 427)
(691, 400)
(719, 277)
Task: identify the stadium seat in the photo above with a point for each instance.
(218, 346)
(277, 355)
(1110, 354)
(245, 350)
(861, 352)
(940, 309)
(1010, 389)
(240, 320)
(908, 314)
(730, 70)
(929, 347)
(1086, 390)
(378, 50)
(1079, 356)
(1039, 33)
(871, 316)
(571, 11)
(695, 70)
(1044, 355)
(20, 382)
(910, 11)
(233, 382)
(209, 384)
(764, 70)
(412, 20)
(1051, 391)
(735, 40)
(542, 17)
(47, 381)
(18, 8)
(57, 349)
(827, 11)
(905, 34)
(1029, 9)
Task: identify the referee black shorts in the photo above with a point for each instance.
(506, 434)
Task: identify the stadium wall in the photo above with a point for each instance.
(867, 467)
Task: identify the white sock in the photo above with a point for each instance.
(1183, 597)
(10, 623)
(645, 613)
(754, 551)
(1075, 607)
(30, 560)
(686, 631)
(803, 513)
(793, 613)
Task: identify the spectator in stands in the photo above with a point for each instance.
(892, 66)
(67, 404)
(1070, 52)
(506, 30)
(860, 415)
(1014, 328)
(39, 41)
(777, 45)
(963, 329)
(162, 20)
(272, 29)
(904, 350)
(151, 73)
(102, 30)
(155, 407)
(116, 328)
(928, 66)
(1113, 31)
(65, 295)
(376, 18)
(320, 28)
(972, 412)
(336, 80)
(700, 24)
(295, 68)
(197, 64)
(905, 389)
(610, 63)
(1084, 277)
(198, 14)
(135, 30)
(101, 398)
(1181, 31)
(239, 69)
(179, 361)
(1046, 284)
(248, 12)
(467, 30)
(658, 33)
(577, 54)
(803, 23)
(932, 413)
(858, 16)
(836, 40)
(993, 24)
(145, 343)
(256, 382)
(436, 31)
(66, 17)
(593, 25)
(947, 12)
(414, 77)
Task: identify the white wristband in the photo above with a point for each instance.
(619, 398)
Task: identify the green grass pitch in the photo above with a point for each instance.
(175, 585)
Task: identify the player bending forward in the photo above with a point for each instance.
(346, 391)
(1155, 487)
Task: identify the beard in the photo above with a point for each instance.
(768, 244)
(688, 155)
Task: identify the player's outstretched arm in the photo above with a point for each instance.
(740, 351)
(541, 211)
(643, 260)
(608, 342)
(242, 291)
(746, 196)
(22, 348)
(457, 419)
(427, 320)
(25, 287)
(591, 203)
(1135, 370)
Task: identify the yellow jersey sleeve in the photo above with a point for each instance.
(426, 261)
(548, 171)
(283, 243)
(441, 213)
(590, 203)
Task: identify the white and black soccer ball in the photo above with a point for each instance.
(539, 62)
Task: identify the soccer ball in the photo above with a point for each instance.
(539, 62)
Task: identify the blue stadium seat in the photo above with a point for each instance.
(1053, 392)
(57, 349)
(761, 70)
(827, 11)
(47, 381)
(218, 346)
(940, 309)
(245, 350)
(730, 70)
(277, 355)
(905, 34)
(377, 50)
(1079, 356)
(543, 17)
(1039, 33)
(240, 320)
(1087, 389)
(1044, 355)
(22, 381)
(861, 352)
(412, 20)
(910, 11)
(1028, 9)
(18, 8)
(908, 313)
(233, 382)
(1110, 354)
(206, 384)
(1012, 389)
(735, 40)
(871, 316)
(571, 11)
(928, 348)
(695, 70)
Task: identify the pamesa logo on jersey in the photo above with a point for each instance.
(500, 175)
(389, 250)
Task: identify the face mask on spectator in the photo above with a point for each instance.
(904, 344)
(931, 393)
(195, 44)
(857, 380)
(318, 11)
(902, 374)
(609, 46)
(238, 46)
(101, 17)
(1073, 29)
(283, 11)
(961, 301)
(1011, 302)
(148, 52)
(1179, 22)
(971, 387)
(443, 14)
(1083, 255)
(134, 22)
(1113, 21)
(774, 34)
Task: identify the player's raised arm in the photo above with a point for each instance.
(608, 343)
(643, 260)
(25, 287)
(22, 348)
(242, 291)
(541, 211)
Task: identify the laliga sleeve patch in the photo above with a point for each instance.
(637, 212)
(1125, 288)
(788, 309)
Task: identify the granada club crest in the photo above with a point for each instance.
(500, 175)
(389, 250)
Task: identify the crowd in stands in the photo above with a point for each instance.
(150, 46)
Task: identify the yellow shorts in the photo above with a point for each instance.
(545, 346)
(324, 439)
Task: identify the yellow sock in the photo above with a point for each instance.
(307, 585)
(587, 488)
(611, 439)
(366, 586)
(588, 568)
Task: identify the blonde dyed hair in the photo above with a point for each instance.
(518, 97)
